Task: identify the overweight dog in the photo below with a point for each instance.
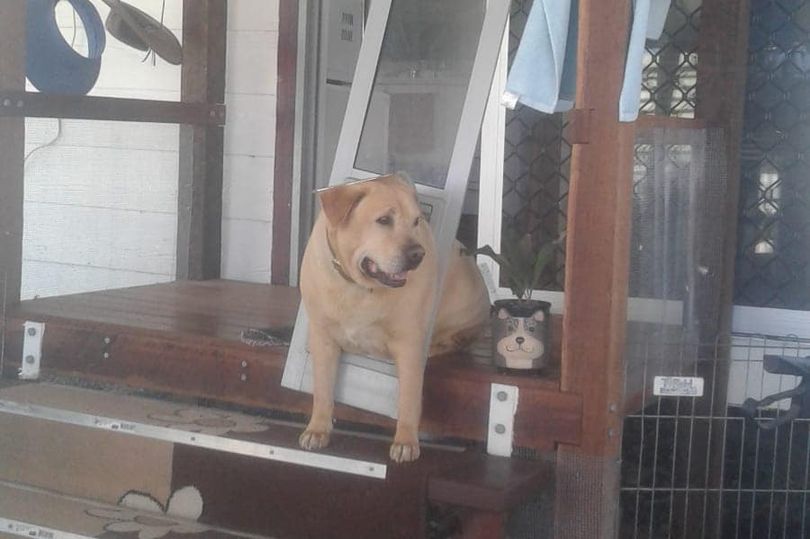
(368, 282)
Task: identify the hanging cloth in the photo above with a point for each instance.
(543, 73)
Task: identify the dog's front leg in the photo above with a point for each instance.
(410, 370)
(325, 359)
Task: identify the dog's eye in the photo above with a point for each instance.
(417, 221)
(385, 220)
(531, 328)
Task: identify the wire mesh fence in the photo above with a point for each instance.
(724, 464)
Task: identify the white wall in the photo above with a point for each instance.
(100, 202)
(250, 139)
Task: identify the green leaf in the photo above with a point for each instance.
(521, 265)
(541, 260)
(503, 262)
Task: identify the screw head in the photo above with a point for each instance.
(502, 396)
(20, 104)
(243, 377)
(611, 433)
(7, 102)
(30, 359)
(612, 407)
(32, 331)
(500, 429)
(244, 364)
(106, 355)
(107, 340)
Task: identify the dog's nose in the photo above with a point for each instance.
(520, 340)
(413, 256)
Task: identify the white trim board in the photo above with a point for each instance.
(770, 321)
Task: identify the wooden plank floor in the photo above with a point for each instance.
(217, 308)
(185, 338)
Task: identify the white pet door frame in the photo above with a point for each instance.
(439, 84)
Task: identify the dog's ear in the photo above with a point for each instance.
(503, 314)
(338, 202)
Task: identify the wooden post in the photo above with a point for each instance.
(285, 139)
(596, 280)
(721, 80)
(12, 149)
(199, 197)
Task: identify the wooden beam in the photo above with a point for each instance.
(12, 150)
(456, 398)
(285, 137)
(669, 122)
(596, 280)
(199, 198)
(720, 101)
(82, 107)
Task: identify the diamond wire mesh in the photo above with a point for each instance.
(537, 152)
(537, 157)
(670, 64)
(699, 467)
(773, 252)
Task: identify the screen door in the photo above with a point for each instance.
(417, 100)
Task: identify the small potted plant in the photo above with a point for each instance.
(520, 326)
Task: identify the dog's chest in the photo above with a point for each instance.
(361, 330)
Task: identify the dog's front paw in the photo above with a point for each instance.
(404, 450)
(313, 439)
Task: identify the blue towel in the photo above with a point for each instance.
(631, 87)
(543, 74)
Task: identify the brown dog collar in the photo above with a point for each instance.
(336, 265)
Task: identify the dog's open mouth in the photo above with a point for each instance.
(393, 280)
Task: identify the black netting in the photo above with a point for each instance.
(773, 252)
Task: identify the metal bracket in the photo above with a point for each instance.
(24, 529)
(32, 350)
(503, 403)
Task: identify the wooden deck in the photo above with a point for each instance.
(185, 338)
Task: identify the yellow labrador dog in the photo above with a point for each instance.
(368, 282)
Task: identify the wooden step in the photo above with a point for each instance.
(27, 511)
(248, 469)
(184, 338)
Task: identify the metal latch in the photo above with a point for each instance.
(32, 350)
(503, 402)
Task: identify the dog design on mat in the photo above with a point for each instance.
(368, 283)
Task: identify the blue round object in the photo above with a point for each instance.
(51, 64)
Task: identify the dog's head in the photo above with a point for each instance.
(376, 229)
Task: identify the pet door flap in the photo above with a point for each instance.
(416, 105)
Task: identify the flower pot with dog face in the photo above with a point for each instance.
(520, 334)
